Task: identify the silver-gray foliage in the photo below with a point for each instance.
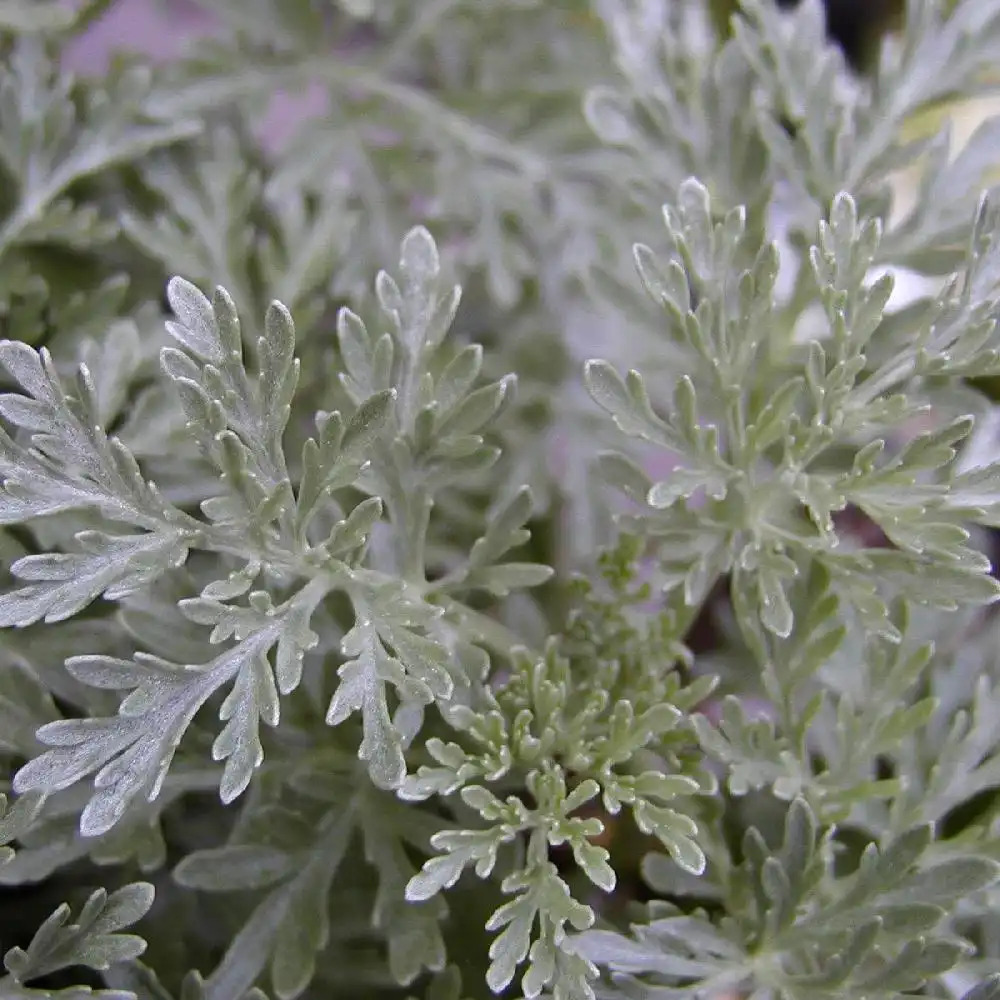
(362, 613)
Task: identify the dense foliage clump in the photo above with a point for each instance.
(531, 533)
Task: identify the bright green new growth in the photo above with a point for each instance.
(341, 611)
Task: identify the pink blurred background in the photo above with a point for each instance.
(165, 29)
(160, 29)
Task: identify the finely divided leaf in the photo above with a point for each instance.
(91, 940)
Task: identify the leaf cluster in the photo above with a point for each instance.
(417, 638)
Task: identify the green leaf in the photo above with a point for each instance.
(113, 566)
(70, 140)
(291, 923)
(279, 369)
(385, 648)
(132, 752)
(366, 424)
(419, 262)
(92, 940)
(67, 461)
(246, 866)
(461, 849)
(477, 409)
(625, 401)
(341, 453)
(16, 819)
(197, 328)
(539, 893)
(689, 948)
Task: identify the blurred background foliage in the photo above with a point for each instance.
(856, 25)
